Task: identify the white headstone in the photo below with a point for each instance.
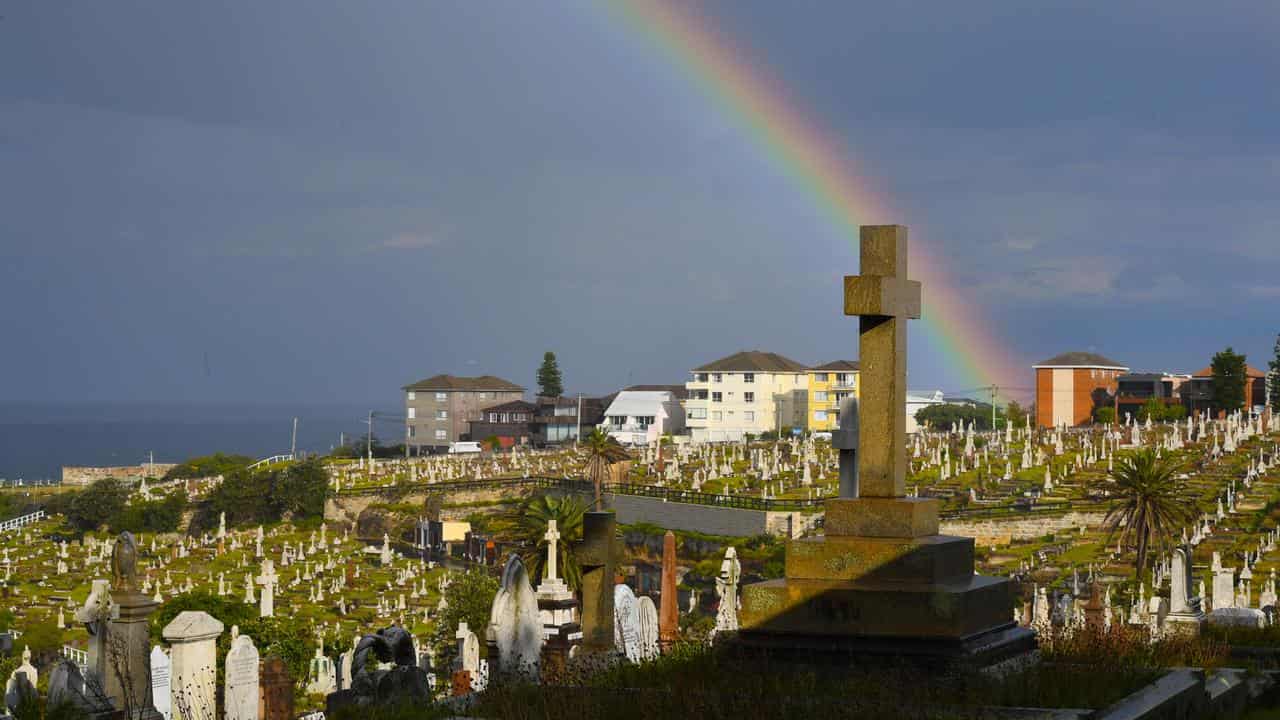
(515, 622)
(648, 616)
(241, 676)
(161, 692)
(626, 622)
(193, 637)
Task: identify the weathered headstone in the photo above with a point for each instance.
(240, 674)
(626, 623)
(161, 688)
(321, 676)
(727, 589)
(193, 637)
(67, 686)
(596, 558)
(515, 622)
(648, 635)
(276, 701)
(1186, 616)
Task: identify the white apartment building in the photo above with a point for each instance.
(640, 417)
(750, 392)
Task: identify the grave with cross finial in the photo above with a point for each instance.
(882, 580)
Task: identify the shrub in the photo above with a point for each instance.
(208, 466)
(157, 516)
(1105, 415)
(96, 505)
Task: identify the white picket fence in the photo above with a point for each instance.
(20, 522)
(75, 655)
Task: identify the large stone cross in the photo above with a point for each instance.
(884, 299)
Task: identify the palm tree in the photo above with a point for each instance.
(531, 523)
(602, 451)
(1148, 506)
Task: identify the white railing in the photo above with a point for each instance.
(272, 459)
(75, 655)
(23, 521)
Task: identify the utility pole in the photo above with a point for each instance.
(578, 440)
(293, 443)
(369, 442)
(993, 408)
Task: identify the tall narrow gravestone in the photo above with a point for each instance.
(242, 682)
(882, 580)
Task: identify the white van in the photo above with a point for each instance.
(462, 448)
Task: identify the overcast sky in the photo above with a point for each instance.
(323, 201)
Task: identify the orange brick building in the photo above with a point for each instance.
(1069, 386)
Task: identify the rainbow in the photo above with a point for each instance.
(815, 162)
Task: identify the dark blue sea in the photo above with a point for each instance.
(37, 440)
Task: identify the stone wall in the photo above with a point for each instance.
(1004, 531)
(631, 509)
(73, 475)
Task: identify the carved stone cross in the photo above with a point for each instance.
(551, 537)
(884, 299)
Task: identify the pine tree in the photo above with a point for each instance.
(550, 384)
(1228, 381)
(1274, 397)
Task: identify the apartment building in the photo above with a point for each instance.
(749, 392)
(1069, 386)
(438, 410)
(829, 385)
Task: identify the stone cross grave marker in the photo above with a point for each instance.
(551, 537)
(884, 299)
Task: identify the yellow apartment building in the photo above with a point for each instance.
(828, 385)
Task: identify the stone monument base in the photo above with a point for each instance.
(912, 594)
(1186, 624)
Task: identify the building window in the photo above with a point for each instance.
(820, 377)
(413, 431)
(441, 435)
(699, 377)
(413, 395)
(749, 416)
(413, 413)
(442, 396)
(644, 420)
(618, 420)
(819, 395)
(697, 413)
(698, 395)
(717, 377)
(820, 415)
(748, 377)
(748, 397)
(717, 415)
(484, 396)
(442, 414)
(717, 397)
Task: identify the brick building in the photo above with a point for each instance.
(1069, 386)
(439, 409)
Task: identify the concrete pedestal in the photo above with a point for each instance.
(126, 667)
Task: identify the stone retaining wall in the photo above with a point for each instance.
(1004, 531)
(75, 475)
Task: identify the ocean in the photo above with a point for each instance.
(37, 440)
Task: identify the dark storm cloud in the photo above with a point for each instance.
(331, 199)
